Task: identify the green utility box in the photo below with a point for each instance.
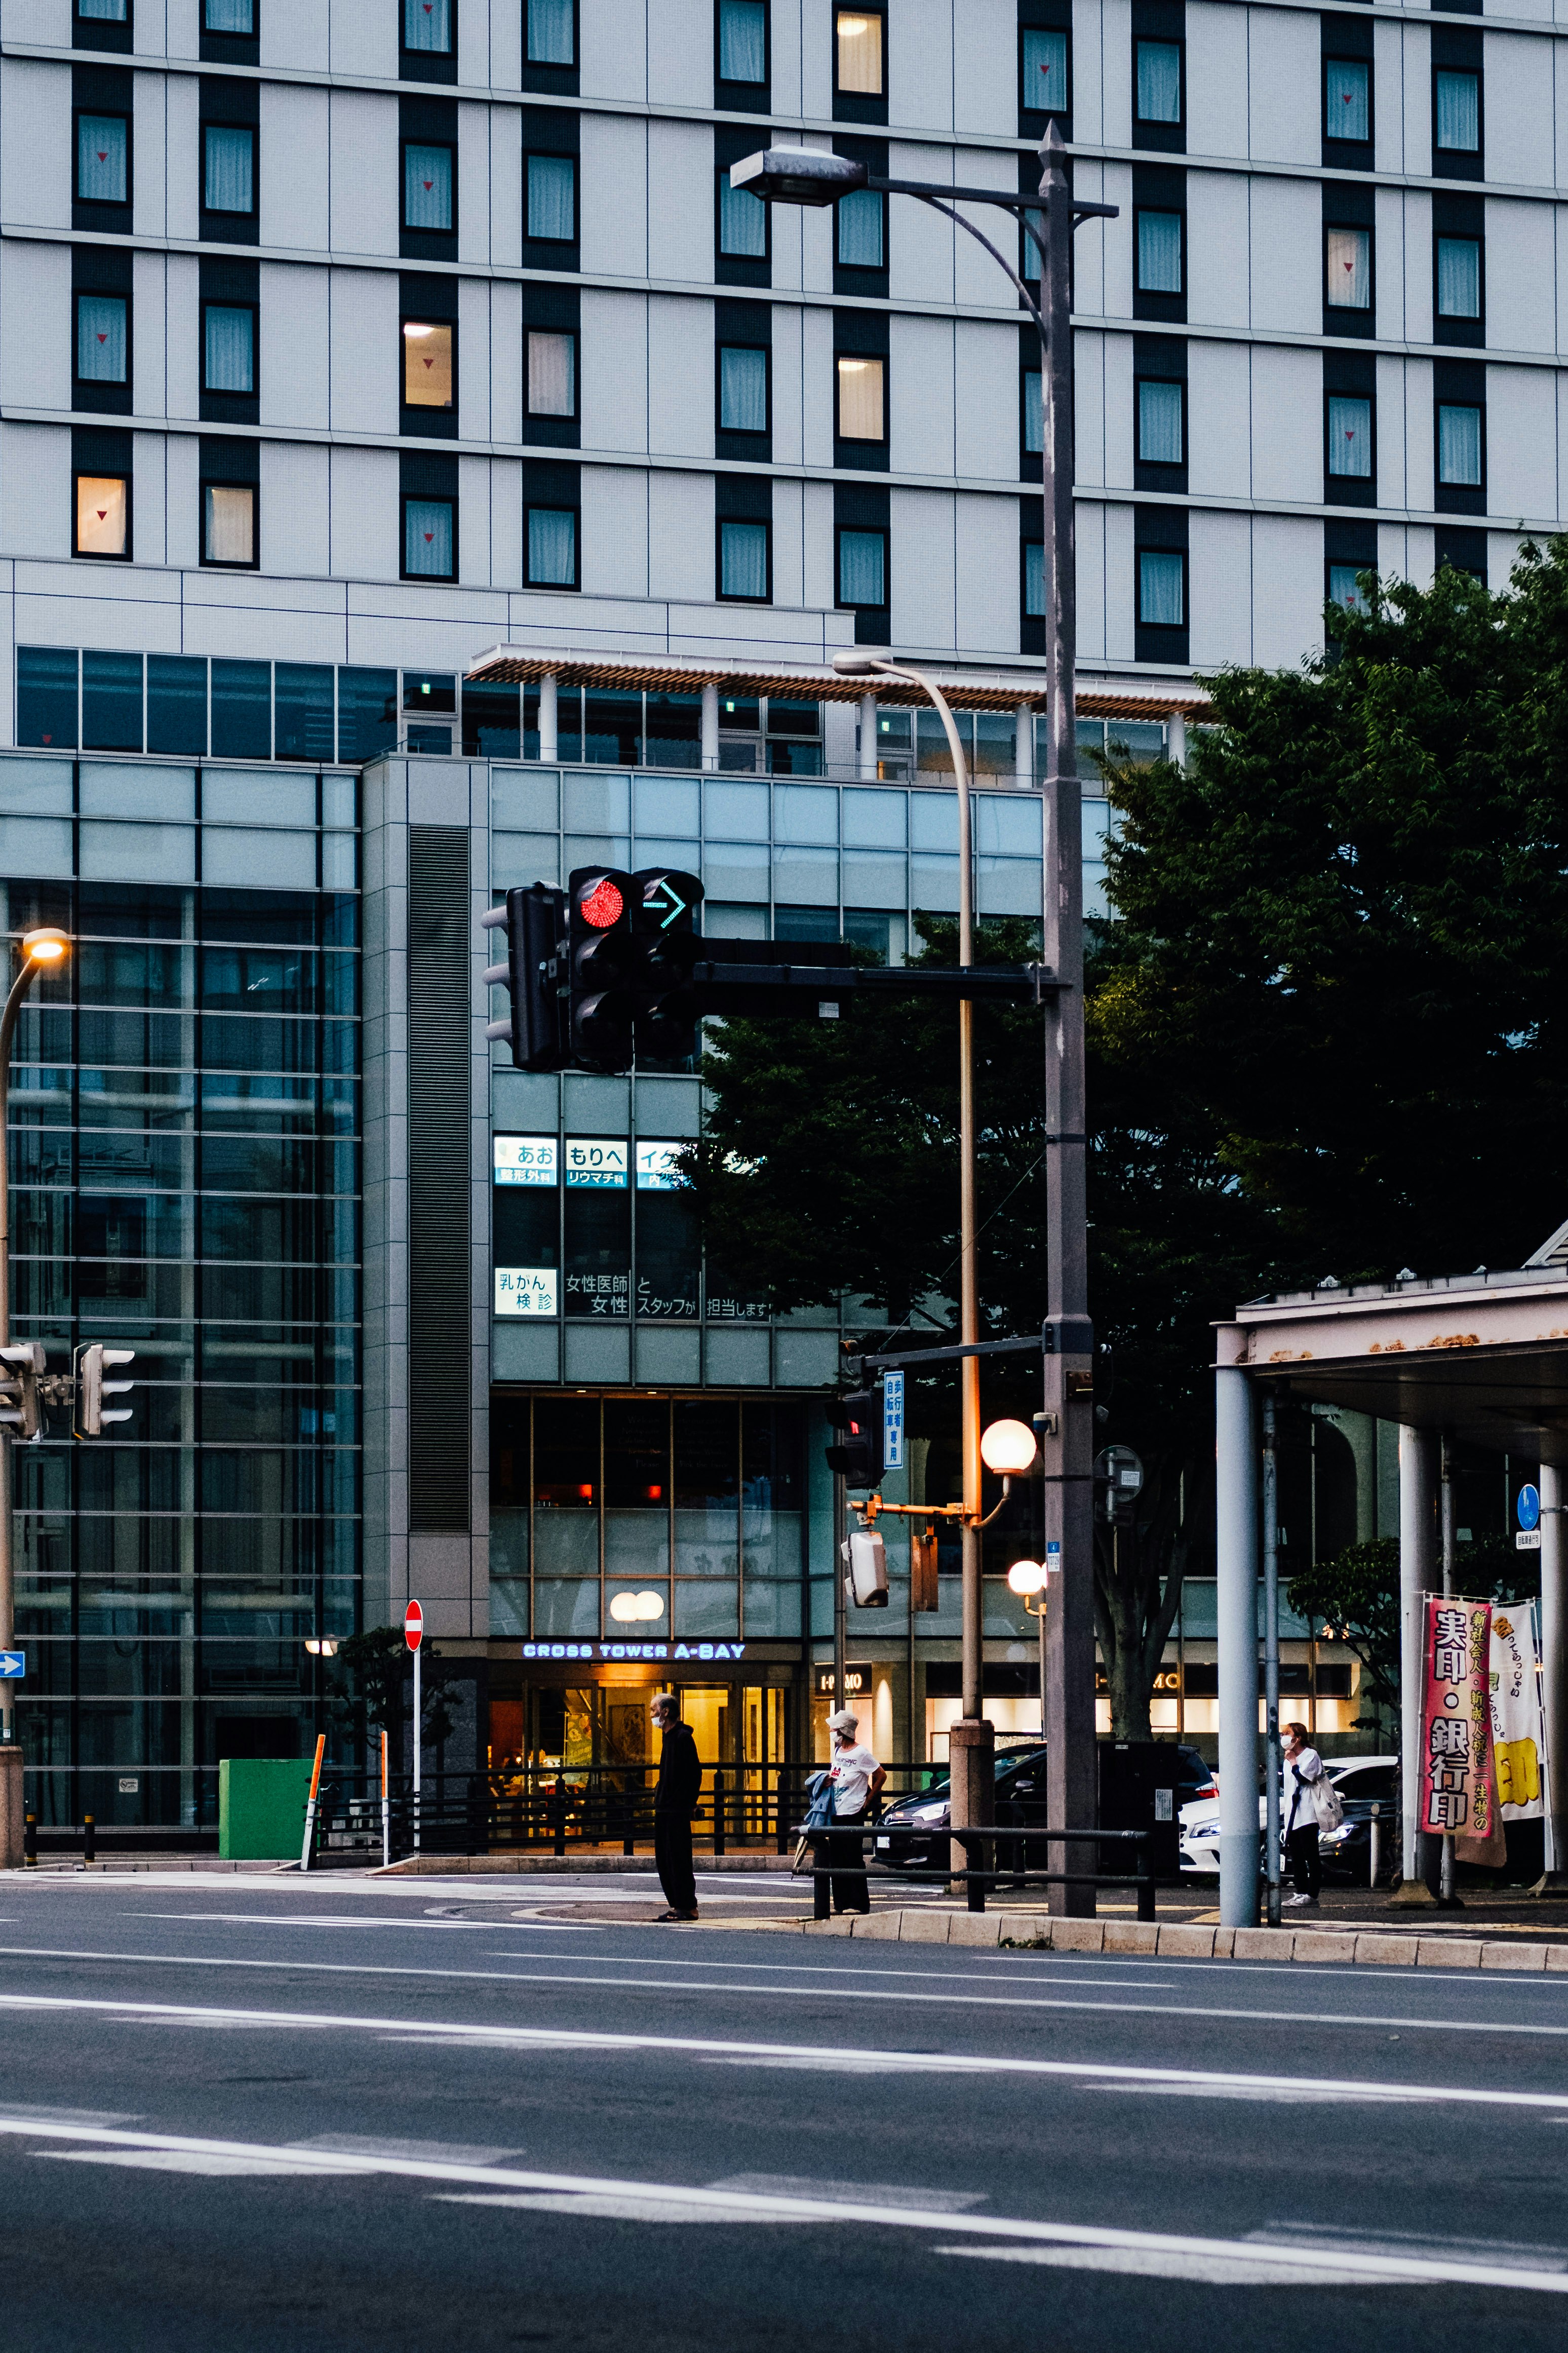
(261, 1804)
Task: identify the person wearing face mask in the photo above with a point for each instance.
(1302, 1768)
(856, 1778)
(674, 1802)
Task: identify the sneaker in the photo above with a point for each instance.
(1297, 1902)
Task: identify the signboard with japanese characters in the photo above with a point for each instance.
(526, 1160)
(1457, 1796)
(526, 1290)
(596, 1161)
(1517, 1741)
(656, 1168)
(598, 1294)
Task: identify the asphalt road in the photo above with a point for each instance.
(329, 2116)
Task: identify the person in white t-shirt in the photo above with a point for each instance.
(856, 1778)
(1299, 1815)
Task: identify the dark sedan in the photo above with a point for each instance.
(913, 1834)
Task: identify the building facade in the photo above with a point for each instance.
(344, 340)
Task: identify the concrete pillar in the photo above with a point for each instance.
(1418, 1574)
(1235, 1552)
(868, 752)
(710, 729)
(549, 738)
(11, 1811)
(1176, 737)
(1024, 745)
(1554, 1666)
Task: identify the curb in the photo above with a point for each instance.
(1321, 1946)
(554, 1866)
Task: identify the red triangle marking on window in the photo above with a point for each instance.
(428, 537)
(103, 154)
(1350, 436)
(48, 739)
(103, 339)
(1350, 265)
(429, 183)
(103, 514)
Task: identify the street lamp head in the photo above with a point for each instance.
(854, 665)
(1026, 1577)
(44, 946)
(797, 176)
(1008, 1447)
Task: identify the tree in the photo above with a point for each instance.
(1356, 1598)
(373, 1692)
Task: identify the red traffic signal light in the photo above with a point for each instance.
(603, 905)
(602, 955)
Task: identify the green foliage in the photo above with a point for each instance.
(372, 1691)
(1354, 1598)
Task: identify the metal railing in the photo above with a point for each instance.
(976, 1881)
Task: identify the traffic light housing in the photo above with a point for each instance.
(93, 1363)
(859, 1457)
(602, 955)
(664, 927)
(21, 1366)
(535, 922)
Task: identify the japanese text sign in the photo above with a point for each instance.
(1456, 1787)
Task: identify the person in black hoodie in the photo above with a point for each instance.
(674, 1803)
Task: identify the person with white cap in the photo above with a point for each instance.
(856, 1778)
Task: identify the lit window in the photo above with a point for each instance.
(1459, 447)
(102, 159)
(862, 567)
(743, 40)
(1034, 412)
(1035, 579)
(429, 538)
(230, 16)
(860, 229)
(859, 37)
(1162, 588)
(742, 389)
(744, 561)
(1160, 437)
(102, 506)
(1459, 277)
(1044, 72)
(742, 222)
(552, 547)
(860, 402)
(228, 522)
(1159, 81)
(101, 342)
(552, 373)
(427, 187)
(1347, 99)
(552, 33)
(1458, 110)
(228, 179)
(1347, 268)
(1344, 588)
(229, 348)
(553, 199)
(1159, 253)
(428, 24)
(426, 363)
(1349, 437)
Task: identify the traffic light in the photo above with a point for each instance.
(20, 1366)
(91, 1414)
(859, 1458)
(866, 1585)
(664, 925)
(602, 954)
(535, 922)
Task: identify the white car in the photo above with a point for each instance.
(1362, 1781)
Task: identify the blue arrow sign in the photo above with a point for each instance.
(12, 1665)
(1528, 1508)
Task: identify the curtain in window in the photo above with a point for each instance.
(1349, 437)
(110, 12)
(427, 187)
(1459, 111)
(743, 40)
(102, 155)
(1161, 602)
(862, 568)
(1459, 277)
(1160, 424)
(549, 33)
(1346, 90)
(427, 364)
(552, 197)
(101, 510)
(859, 38)
(1342, 589)
(742, 390)
(428, 24)
(1160, 253)
(428, 538)
(229, 184)
(1159, 82)
(860, 400)
(230, 16)
(1035, 580)
(228, 523)
(552, 547)
(100, 340)
(1347, 268)
(552, 373)
(1459, 447)
(1044, 72)
(230, 348)
(743, 559)
(1034, 411)
(742, 222)
(860, 229)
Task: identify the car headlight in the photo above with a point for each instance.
(937, 1813)
(1336, 1837)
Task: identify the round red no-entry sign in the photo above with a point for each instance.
(414, 1625)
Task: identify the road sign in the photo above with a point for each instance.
(12, 1665)
(414, 1625)
(1528, 1510)
(892, 1422)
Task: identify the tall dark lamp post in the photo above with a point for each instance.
(806, 175)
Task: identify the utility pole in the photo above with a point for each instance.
(1272, 1764)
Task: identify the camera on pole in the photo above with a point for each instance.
(21, 1367)
(602, 956)
(1118, 1476)
(92, 1415)
(664, 927)
(859, 1457)
(535, 922)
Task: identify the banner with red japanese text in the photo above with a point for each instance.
(1458, 1792)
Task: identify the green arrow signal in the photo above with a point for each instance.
(673, 899)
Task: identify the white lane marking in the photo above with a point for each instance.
(1176, 2263)
(282, 1920)
(1306, 2264)
(614, 2209)
(1324, 2018)
(1289, 2095)
(188, 2160)
(39, 2113)
(366, 2145)
(878, 2193)
(1532, 2255)
(840, 2062)
(530, 2037)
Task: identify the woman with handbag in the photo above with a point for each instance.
(1302, 1777)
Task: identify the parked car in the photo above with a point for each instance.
(913, 1833)
(1362, 1783)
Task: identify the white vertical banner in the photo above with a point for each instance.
(1518, 1734)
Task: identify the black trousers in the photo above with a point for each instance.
(850, 1894)
(672, 1854)
(1305, 1866)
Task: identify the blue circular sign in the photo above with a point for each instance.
(1528, 1508)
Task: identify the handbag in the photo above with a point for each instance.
(1327, 1804)
(818, 1816)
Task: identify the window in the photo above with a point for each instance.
(428, 24)
(742, 222)
(228, 522)
(860, 403)
(744, 561)
(102, 344)
(230, 16)
(1159, 253)
(1034, 580)
(552, 547)
(1159, 81)
(1347, 99)
(1459, 277)
(552, 373)
(1347, 268)
(863, 568)
(106, 11)
(1162, 588)
(858, 52)
(427, 354)
(429, 539)
(102, 514)
(1349, 436)
(743, 40)
(1459, 446)
(553, 199)
(228, 177)
(1034, 413)
(427, 187)
(1043, 88)
(228, 347)
(1161, 437)
(1342, 587)
(860, 239)
(552, 33)
(742, 389)
(1457, 112)
(102, 159)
